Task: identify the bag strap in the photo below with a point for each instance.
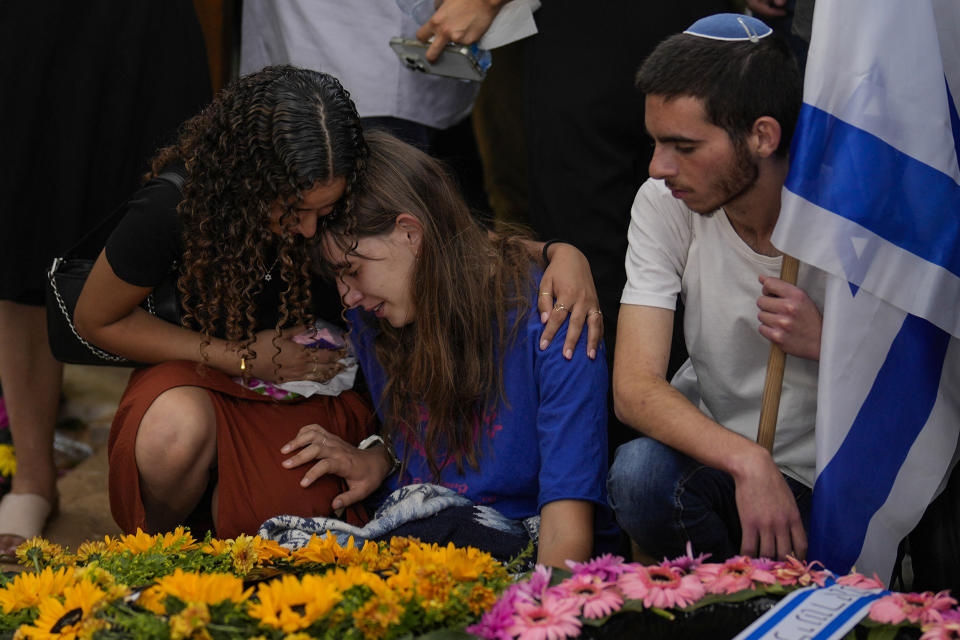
(176, 177)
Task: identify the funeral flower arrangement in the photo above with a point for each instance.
(551, 606)
(173, 586)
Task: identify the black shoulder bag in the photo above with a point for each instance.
(65, 281)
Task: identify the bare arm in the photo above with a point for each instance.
(108, 315)
(566, 532)
(645, 400)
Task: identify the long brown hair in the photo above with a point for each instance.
(465, 284)
(268, 137)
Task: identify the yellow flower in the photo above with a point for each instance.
(319, 550)
(290, 605)
(8, 461)
(462, 563)
(247, 552)
(398, 545)
(378, 614)
(217, 547)
(327, 550)
(404, 581)
(140, 542)
(205, 588)
(68, 619)
(27, 590)
(103, 579)
(91, 548)
(298, 636)
(244, 554)
(480, 599)
(38, 550)
(178, 540)
(270, 549)
(191, 622)
(343, 579)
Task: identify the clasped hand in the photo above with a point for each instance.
(296, 361)
(789, 318)
(362, 469)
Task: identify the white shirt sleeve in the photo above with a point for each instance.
(659, 238)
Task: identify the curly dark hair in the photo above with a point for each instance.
(265, 139)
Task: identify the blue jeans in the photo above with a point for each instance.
(663, 498)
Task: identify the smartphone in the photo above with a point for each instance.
(455, 61)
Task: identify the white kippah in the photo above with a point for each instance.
(731, 27)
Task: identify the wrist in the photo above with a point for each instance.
(548, 250)
(752, 461)
(385, 449)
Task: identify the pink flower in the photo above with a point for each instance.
(736, 574)
(793, 572)
(686, 563)
(494, 623)
(554, 618)
(597, 597)
(538, 583)
(889, 609)
(947, 630)
(861, 581)
(606, 567)
(950, 615)
(661, 587)
(925, 608)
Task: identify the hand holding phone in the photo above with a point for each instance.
(455, 61)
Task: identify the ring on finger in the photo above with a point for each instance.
(595, 312)
(323, 442)
(546, 293)
(560, 307)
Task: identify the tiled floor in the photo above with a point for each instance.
(91, 395)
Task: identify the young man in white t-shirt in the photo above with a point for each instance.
(721, 103)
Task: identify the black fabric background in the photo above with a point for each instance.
(88, 92)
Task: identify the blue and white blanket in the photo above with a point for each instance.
(426, 511)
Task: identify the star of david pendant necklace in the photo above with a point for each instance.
(267, 274)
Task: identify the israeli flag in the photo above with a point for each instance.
(873, 198)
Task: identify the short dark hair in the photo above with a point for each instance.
(737, 81)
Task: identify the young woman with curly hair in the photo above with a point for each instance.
(265, 163)
(442, 316)
(275, 156)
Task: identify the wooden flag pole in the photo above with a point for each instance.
(770, 404)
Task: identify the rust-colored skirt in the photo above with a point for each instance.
(252, 486)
